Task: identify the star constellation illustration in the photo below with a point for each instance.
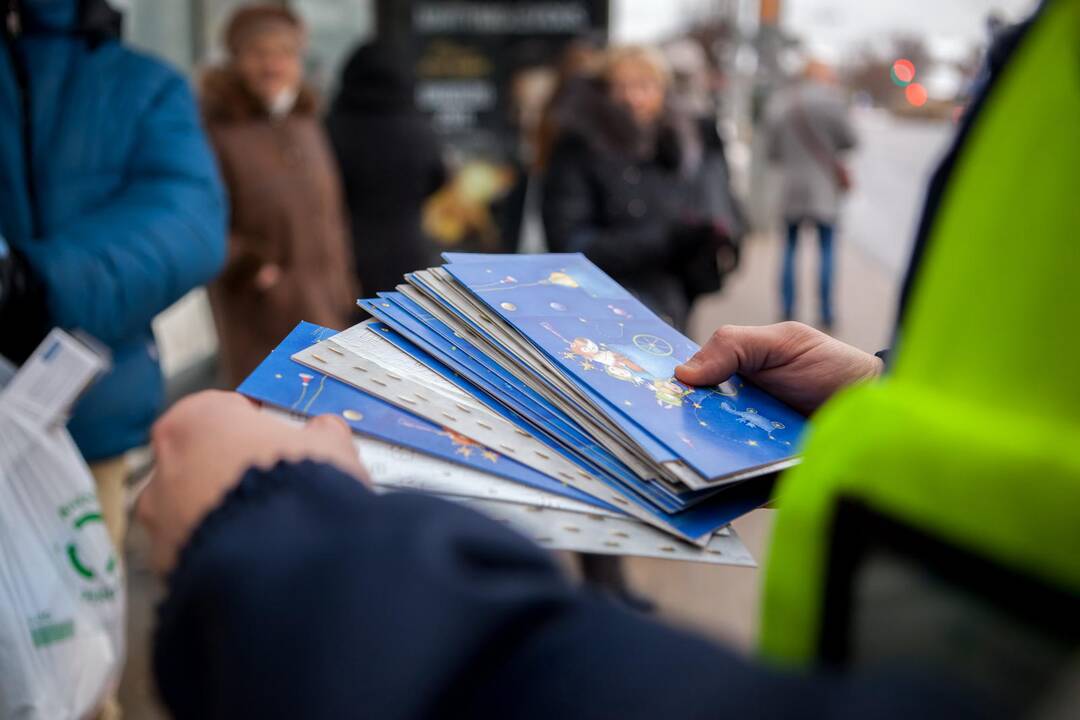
(751, 418)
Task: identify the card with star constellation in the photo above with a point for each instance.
(595, 334)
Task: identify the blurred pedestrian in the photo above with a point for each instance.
(288, 247)
(111, 208)
(390, 163)
(808, 130)
(624, 186)
(693, 92)
(579, 66)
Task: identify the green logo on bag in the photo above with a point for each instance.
(73, 550)
(86, 514)
(52, 633)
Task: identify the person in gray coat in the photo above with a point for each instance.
(808, 130)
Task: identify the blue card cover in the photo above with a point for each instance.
(604, 338)
(410, 320)
(590, 456)
(281, 382)
(646, 442)
(711, 514)
(457, 352)
(510, 383)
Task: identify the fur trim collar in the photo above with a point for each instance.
(225, 99)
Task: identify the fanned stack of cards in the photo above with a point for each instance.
(542, 372)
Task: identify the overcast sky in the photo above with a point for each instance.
(833, 27)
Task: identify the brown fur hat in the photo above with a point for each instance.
(250, 19)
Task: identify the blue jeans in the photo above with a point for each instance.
(787, 280)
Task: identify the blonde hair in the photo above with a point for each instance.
(643, 56)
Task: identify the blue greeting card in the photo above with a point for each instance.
(710, 512)
(649, 445)
(695, 524)
(281, 382)
(506, 381)
(436, 356)
(601, 337)
(438, 339)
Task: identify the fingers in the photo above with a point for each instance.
(331, 425)
(743, 349)
(720, 357)
(335, 441)
(196, 409)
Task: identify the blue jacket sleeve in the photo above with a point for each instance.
(304, 595)
(112, 270)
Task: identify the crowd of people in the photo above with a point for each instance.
(630, 177)
(288, 208)
(288, 214)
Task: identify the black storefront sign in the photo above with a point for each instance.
(477, 64)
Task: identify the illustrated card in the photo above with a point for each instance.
(605, 339)
(591, 456)
(288, 385)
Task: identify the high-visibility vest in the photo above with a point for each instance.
(969, 449)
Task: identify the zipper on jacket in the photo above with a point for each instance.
(12, 32)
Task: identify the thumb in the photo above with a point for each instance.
(330, 425)
(334, 439)
(731, 349)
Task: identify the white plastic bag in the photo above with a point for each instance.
(61, 581)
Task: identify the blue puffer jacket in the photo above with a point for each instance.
(130, 210)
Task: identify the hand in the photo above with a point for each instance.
(203, 446)
(791, 361)
(267, 277)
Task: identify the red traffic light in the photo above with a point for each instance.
(903, 71)
(916, 94)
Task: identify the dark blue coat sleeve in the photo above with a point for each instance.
(304, 595)
(112, 270)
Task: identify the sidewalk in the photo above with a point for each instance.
(723, 602)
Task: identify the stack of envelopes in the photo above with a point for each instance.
(544, 371)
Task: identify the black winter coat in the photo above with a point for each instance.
(391, 161)
(307, 596)
(638, 214)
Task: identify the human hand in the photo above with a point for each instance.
(794, 362)
(267, 277)
(203, 446)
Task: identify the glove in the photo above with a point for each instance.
(23, 312)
